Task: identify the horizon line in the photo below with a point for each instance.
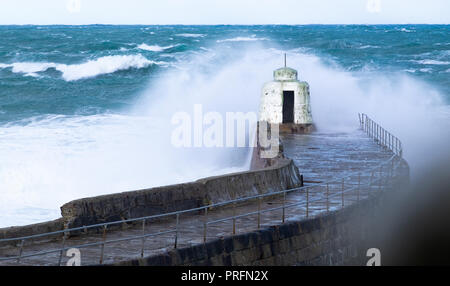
(278, 24)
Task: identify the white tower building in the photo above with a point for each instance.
(285, 101)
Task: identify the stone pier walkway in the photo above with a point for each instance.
(320, 157)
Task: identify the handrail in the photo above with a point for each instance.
(380, 135)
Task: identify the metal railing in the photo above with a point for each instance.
(353, 186)
(380, 135)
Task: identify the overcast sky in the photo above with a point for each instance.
(224, 11)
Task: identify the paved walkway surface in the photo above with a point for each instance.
(320, 157)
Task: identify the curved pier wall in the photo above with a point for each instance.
(333, 239)
(27, 230)
(341, 237)
(282, 175)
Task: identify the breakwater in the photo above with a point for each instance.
(283, 174)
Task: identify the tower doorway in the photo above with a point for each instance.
(288, 106)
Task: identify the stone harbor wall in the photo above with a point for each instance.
(336, 238)
(340, 237)
(27, 230)
(282, 174)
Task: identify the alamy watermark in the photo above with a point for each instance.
(74, 255)
(375, 257)
(73, 6)
(373, 6)
(235, 129)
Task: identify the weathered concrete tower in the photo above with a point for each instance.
(285, 101)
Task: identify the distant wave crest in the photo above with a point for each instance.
(190, 35)
(92, 68)
(154, 48)
(433, 62)
(242, 39)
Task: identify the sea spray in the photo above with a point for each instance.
(95, 133)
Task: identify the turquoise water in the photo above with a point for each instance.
(31, 83)
(85, 110)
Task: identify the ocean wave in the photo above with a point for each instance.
(29, 68)
(188, 35)
(406, 30)
(367, 47)
(242, 39)
(155, 48)
(426, 70)
(432, 62)
(92, 68)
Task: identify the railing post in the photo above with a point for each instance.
(234, 217)
(284, 209)
(394, 145)
(371, 129)
(374, 130)
(22, 242)
(390, 141)
(62, 249)
(259, 212)
(379, 135)
(365, 124)
(386, 139)
(376, 133)
(102, 251)
(342, 192)
(176, 231)
(359, 186)
(143, 238)
(205, 225)
(328, 194)
(307, 202)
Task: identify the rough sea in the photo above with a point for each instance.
(86, 110)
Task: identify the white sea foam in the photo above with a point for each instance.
(155, 48)
(432, 62)
(406, 30)
(242, 39)
(188, 35)
(426, 70)
(92, 68)
(367, 47)
(56, 159)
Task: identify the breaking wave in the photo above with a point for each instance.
(432, 62)
(155, 48)
(242, 39)
(188, 35)
(89, 69)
